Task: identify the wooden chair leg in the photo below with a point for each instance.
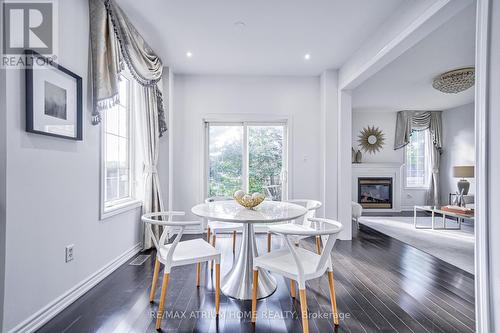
(234, 241)
(155, 280)
(217, 288)
(318, 244)
(269, 242)
(213, 244)
(254, 295)
(198, 272)
(208, 234)
(293, 293)
(161, 308)
(303, 308)
(333, 299)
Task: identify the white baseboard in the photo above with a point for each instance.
(48, 312)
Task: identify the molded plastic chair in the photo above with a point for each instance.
(312, 206)
(299, 264)
(214, 227)
(178, 253)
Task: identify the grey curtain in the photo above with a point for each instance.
(148, 129)
(409, 121)
(433, 194)
(115, 43)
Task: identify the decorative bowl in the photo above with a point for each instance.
(248, 201)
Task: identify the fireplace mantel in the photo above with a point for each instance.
(390, 170)
(377, 165)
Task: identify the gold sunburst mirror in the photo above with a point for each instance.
(371, 139)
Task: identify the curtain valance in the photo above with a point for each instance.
(409, 121)
(115, 43)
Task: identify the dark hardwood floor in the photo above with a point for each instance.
(382, 285)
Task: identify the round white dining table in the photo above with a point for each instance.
(238, 282)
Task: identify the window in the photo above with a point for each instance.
(248, 156)
(117, 152)
(225, 151)
(417, 154)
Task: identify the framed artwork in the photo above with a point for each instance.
(53, 99)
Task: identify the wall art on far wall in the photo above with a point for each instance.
(371, 139)
(53, 99)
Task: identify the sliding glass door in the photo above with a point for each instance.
(225, 151)
(248, 156)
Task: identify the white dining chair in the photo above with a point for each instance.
(178, 253)
(214, 227)
(312, 206)
(298, 264)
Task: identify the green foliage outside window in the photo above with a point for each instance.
(265, 158)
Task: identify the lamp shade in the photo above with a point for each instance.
(463, 171)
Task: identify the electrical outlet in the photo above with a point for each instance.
(69, 252)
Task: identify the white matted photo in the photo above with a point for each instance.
(53, 99)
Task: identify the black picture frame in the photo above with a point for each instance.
(31, 57)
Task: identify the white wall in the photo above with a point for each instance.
(329, 136)
(458, 146)
(493, 163)
(3, 180)
(53, 194)
(386, 122)
(163, 157)
(295, 98)
(344, 112)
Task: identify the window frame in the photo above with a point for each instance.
(130, 202)
(245, 172)
(426, 184)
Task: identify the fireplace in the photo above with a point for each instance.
(375, 193)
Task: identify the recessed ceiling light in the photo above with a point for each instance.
(307, 56)
(240, 25)
(189, 54)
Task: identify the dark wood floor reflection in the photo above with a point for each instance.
(382, 285)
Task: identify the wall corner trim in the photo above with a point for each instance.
(41, 317)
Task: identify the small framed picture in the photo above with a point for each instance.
(53, 98)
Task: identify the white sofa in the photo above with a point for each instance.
(357, 210)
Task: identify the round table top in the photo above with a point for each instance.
(266, 212)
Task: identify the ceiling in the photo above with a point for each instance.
(406, 83)
(273, 41)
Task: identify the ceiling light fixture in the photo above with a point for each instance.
(455, 81)
(240, 25)
(307, 56)
(189, 54)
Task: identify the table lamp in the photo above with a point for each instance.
(463, 171)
